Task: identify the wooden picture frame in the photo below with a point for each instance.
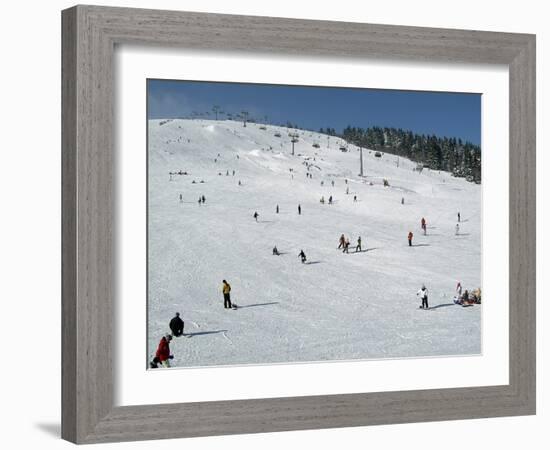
(90, 34)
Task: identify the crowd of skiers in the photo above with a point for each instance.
(163, 355)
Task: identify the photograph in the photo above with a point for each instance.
(294, 224)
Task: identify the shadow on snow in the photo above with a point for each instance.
(257, 304)
(443, 305)
(201, 333)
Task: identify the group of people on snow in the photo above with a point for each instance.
(163, 355)
(467, 298)
(322, 201)
(343, 243)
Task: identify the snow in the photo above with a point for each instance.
(337, 306)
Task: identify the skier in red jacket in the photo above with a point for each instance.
(163, 355)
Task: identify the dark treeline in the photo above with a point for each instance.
(462, 159)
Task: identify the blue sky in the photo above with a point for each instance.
(443, 114)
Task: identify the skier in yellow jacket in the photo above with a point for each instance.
(226, 289)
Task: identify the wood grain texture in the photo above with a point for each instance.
(89, 37)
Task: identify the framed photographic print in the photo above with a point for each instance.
(297, 232)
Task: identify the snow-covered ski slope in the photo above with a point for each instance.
(336, 307)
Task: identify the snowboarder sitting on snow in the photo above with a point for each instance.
(226, 289)
(275, 251)
(410, 238)
(302, 255)
(162, 356)
(176, 325)
(423, 292)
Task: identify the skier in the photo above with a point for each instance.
(176, 325)
(341, 241)
(233, 173)
(277, 209)
(227, 173)
(302, 255)
(299, 209)
(358, 247)
(162, 356)
(330, 200)
(402, 200)
(203, 199)
(322, 200)
(423, 292)
(346, 246)
(275, 251)
(332, 183)
(458, 216)
(457, 229)
(410, 238)
(459, 288)
(181, 198)
(200, 201)
(423, 225)
(226, 289)
(240, 183)
(255, 216)
(355, 198)
(347, 190)
(322, 183)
